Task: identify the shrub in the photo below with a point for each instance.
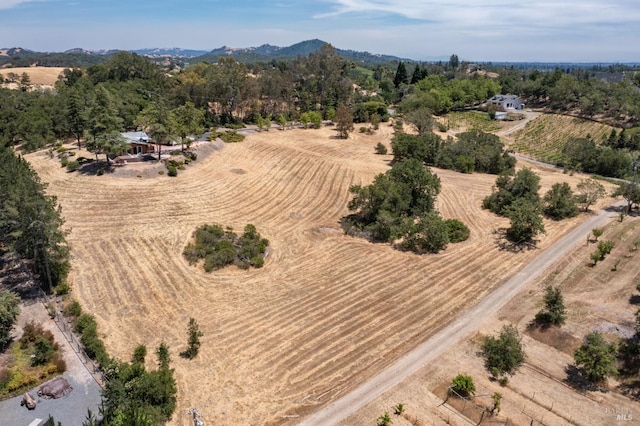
(463, 385)
(73, 309)
(231, 136)
(381, 149)
(64, 162)
(43, 352)
(457, 230)
(62, 289)
(100, 172)
(172, 171)
(257, 261)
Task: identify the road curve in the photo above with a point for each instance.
(457, 330)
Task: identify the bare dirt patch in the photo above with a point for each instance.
(325, 313)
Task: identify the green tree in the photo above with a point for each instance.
(186, 120)
(630, 191)
(597, 232)
(454, 62)
(589, 191)
(560, 202)
(162, 353)
(193, 343)
(139, 354)
(526, 220)
(553, 312)
(503, 355)
(596, 358)
(525, 184)
(155, 120)
(9, 310)
(344, 121)
(104, 125)
(463, 385)
(429, 234)
(401, 77)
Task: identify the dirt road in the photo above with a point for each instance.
(463, 326)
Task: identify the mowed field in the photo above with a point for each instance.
(46, 76)
(325, 313)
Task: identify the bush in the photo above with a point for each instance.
(457, 230)
(43, 352)
(231, 136)
(73, 309)
(5, 377)
(172, 171)
(381, 149)
(463, 385)
(62, 289)
(219, 247)
(100, 172)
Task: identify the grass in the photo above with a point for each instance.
(471, 120)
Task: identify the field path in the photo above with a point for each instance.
(455, 331)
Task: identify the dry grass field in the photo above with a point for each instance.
(41, 76)
(597, 299)
(326, 312)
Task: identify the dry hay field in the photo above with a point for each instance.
(325, 313)
(596, 298)
(41, 76)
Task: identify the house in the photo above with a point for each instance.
(139, 142)
(506, 102)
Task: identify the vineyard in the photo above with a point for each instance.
(324, 313)
(544, 137)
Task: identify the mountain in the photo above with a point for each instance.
(13, 51)
(79, 57)
(267, 52)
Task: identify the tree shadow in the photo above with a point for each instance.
(576, 380)
(91, 167)
(634, 299)
(505, 244)
(14, 277)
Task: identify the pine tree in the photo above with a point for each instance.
(401, 75)
(194, 340)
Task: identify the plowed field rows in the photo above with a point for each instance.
(325, 312)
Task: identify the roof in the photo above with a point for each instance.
(136, 137)
(501, 98)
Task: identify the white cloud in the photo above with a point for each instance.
(508, 13)
(10, 4)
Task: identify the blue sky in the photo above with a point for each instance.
(477, 30)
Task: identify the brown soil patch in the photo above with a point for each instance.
(325, 313)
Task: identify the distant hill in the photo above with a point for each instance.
(267, 52)
(174, 52)
(79, 57)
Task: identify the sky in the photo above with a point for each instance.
(475, 30)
